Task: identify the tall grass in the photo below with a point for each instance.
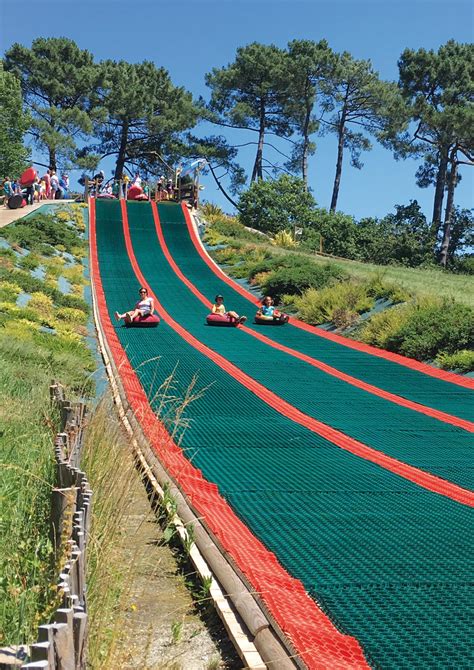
(110, 468)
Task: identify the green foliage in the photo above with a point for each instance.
(408, 236)
(299, 277)
(13, 155)
(359, 103)
(250, 93)
(433, 328)
(380, 329)
(9, 291)
(459, 361)
(465, 265)
(285, 239)
(338, 232)
(333, 303)
(39, 230)
(59, 83)
(423, 329)
(144, 115)
(378, 287)
(279, 204)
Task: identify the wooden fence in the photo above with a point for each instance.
(61, 644)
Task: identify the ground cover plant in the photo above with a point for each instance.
(41, 338)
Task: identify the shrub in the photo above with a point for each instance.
(41, 303)
(285, 239)
(434, 328)
(277, 204)
(9, 291)
(380, 329)
(42, 229)
(378, 288)
(300, 277)
(465, 265)
(341, 303)
(460, 361)
(71, 315)
(29, 262)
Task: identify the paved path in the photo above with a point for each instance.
(10, 215)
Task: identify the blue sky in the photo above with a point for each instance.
(189, 38)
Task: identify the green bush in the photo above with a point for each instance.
(341, 304)
(277, 204)
(378, 288)
(380, 329)
(29, 262)
(422, 330)
(464, 265)
(298, 278)
(460, 361)
(39, 230)
(433, 328)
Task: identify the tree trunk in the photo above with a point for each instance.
(304, 163)
(340, 155)
(443, 255)
(257, 172)
(439, 192)
(52, 160)
(122, 153)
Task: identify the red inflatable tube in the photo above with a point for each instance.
(148, 321)
(28, 177)
(220, 320)
(134, 192)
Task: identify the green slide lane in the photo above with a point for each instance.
(397, 431)
(385, 374)
(387, 560)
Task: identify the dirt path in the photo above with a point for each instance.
(162, 626)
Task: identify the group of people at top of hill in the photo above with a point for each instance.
(48, 187)
(164, 187)
(145, 306)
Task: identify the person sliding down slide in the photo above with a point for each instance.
(218, 309)
(143, 308)
(268, 312)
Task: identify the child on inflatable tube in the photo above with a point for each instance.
(218, 308)
(268, 311)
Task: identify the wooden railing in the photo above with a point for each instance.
(61, 644)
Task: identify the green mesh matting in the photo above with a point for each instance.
(407, 383)
(409, 436)
(389, 562)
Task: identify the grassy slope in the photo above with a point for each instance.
(30, 358)
(420, 282)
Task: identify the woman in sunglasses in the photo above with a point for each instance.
(144, 307)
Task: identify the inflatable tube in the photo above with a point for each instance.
(15, 201)
(141, 196)
(28, 177)
(270, 321)
(133, 192)
(149, 321)
(220, 320)
(106, 196)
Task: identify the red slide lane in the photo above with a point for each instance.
(317, 641)
(392, 397)
(451, 377)
(409, 472)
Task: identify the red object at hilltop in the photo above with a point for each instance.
(134, 192)
(28, 177)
